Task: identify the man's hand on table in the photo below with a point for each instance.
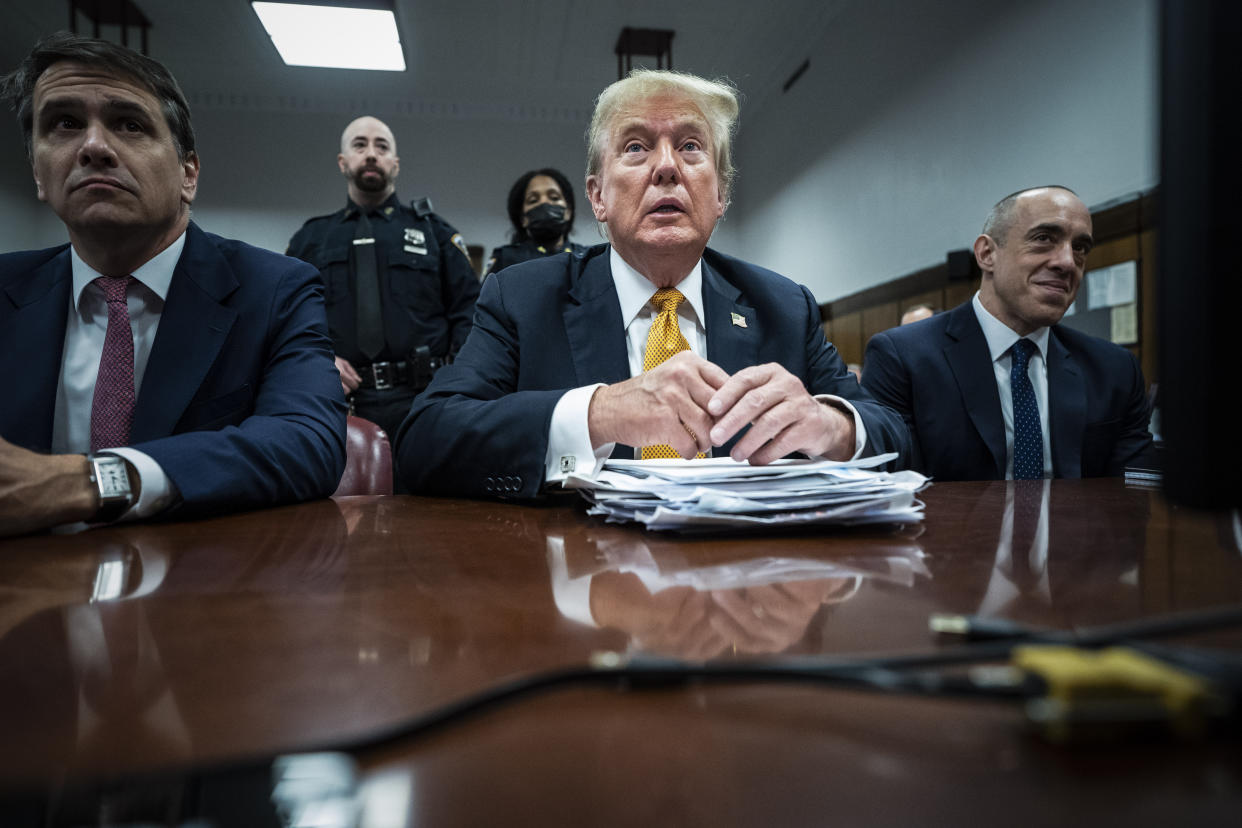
(667, 404)
(783, 418)
(693, 405)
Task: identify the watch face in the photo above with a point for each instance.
(113, 479)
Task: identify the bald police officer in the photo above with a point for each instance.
(400, 288)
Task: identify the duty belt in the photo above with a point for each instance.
(384, 375)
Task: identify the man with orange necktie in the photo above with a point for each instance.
(152, 368)
(652, 340)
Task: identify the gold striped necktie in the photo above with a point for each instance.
(663, 341)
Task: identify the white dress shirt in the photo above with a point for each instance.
(569, 435)
(84, 340)
(1001, 338)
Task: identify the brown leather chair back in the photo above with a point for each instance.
(368, 460)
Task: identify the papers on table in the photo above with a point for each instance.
(719, 493)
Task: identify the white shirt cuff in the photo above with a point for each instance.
(569, 438)
(860, 431)
(572, 595)
(157, 491)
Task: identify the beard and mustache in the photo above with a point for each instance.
(376, 183)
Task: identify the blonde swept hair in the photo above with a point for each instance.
(716, 100)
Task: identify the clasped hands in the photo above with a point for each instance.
(693, 405)
(700, 624)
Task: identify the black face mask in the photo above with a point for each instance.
(546, 222)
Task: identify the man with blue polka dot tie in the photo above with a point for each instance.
(996, 388)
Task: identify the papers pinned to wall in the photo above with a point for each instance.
(1108, 287)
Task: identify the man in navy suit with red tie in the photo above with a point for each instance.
(153, 369)
(996, 389)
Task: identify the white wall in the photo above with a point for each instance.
(264, 173)
(914, 118)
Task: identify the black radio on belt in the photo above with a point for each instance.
(417, 371)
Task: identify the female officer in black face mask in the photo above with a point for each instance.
(541, 208)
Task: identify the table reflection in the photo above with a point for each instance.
(668, 605)
(182, 648)
(1056, 556)
(84, 630)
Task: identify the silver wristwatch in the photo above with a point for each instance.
(110, 475)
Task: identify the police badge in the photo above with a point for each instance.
(415, 241)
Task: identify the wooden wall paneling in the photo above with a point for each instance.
(847, 336)
(934, 298)
(879, 318)
(955, 293)
(1113, 252)
(894, 290)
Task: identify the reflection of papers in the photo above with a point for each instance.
(1108, 287)
(896, 569)
(718, 493)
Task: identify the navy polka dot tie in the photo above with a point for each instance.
(1028, 434)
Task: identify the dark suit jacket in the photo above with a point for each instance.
(241, 403)
(549, 325)
(938, 374)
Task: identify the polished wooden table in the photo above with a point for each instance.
(186, 656)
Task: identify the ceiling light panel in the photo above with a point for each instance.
(336, 37)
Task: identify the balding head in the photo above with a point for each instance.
(368, 160)
(368, 125)
(1001, 217)
(918, 313)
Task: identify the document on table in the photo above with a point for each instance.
(720, 493)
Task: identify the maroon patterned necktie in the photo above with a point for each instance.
(112, 410)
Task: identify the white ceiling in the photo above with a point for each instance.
(520, 59)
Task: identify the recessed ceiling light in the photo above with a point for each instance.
(338, 37)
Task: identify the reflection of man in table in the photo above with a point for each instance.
(104, 613)
(760, 605)
(195, 371)
(652, 342)
(996, 389)
(1038, 574)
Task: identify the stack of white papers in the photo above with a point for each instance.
(719, 493)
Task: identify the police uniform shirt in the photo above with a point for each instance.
(427, 286)
(511, 254)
